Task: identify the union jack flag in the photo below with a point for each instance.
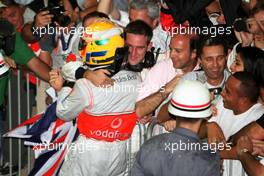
(49, 137)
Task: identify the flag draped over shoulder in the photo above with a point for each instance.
(49, 136)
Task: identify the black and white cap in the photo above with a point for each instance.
(190, 99)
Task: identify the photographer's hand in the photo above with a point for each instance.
(244, 37)
(42, 19)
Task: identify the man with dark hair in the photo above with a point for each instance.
(238, 108)
(210, 41)
(138, 35)
(241, 92)
(248, 87)
(181, 152)
(212, 53)
(139, 27)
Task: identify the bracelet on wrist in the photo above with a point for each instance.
(242, 151)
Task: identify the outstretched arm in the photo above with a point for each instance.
(150, 103)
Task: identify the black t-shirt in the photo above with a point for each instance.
(260, 121)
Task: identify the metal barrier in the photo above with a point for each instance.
(144, 133)
(133, 145)
(18, 101)
(150, 129)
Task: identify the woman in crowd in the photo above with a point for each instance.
(251, 59)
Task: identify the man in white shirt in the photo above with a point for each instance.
(182, 60)
(212, 53)
(238, 108)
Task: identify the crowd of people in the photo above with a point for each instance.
(194, 68)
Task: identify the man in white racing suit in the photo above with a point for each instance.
(105, 115)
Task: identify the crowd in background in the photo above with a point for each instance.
(218, 43)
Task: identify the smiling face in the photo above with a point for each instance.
(230, 93)
(180, 52)
(213, 61)
(137, 47)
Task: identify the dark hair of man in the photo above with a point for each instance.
(185, 119)
(95, 14)
(257, 8)
(248, 86)
(139, 27)
(253, 61)
(210, 41)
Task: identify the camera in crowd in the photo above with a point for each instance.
(247, 25)
(7, 37)
(59, 16)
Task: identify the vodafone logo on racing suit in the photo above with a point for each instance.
(115, 124)
(107, 127)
